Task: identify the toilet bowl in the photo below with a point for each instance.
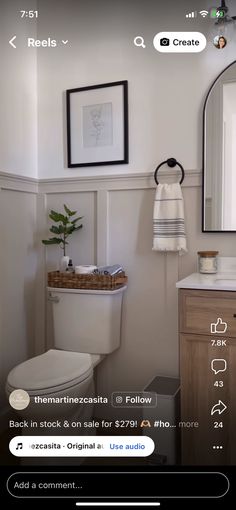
(87, 327)
(52, 380)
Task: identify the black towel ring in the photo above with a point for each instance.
(170, 162)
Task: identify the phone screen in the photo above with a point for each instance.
(118, 266)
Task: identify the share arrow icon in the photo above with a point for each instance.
(11, 41)
(219, 408)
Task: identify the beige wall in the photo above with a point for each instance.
(18, 196)
(118, 223)
(117, 228)
(18, 270)
(166, 95)
(18, 91)
(166, 92)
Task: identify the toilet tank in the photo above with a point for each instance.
(86, 320)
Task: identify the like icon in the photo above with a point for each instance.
(219, 326)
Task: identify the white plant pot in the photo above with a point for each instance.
(64, 263)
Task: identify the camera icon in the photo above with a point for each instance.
(164, 41)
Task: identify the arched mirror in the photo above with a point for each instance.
(219, 154)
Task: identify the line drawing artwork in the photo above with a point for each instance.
(97, 125)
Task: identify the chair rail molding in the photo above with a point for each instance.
(16, 182)
(138, 180)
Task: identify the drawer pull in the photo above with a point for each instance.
(234, 315)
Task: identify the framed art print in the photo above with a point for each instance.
(97, 124)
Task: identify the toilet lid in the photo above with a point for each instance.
(51, 369)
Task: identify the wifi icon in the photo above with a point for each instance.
(203, 13)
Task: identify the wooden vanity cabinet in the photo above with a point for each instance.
(213, 440)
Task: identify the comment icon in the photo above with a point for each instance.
(218, 365)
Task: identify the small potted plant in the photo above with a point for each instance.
(65, 226)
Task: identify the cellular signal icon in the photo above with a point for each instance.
(192, 14)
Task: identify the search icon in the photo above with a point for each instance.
(139, 41)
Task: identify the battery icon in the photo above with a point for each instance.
(217, 13)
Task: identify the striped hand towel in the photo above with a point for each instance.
(168, 219)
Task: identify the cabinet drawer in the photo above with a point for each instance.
(199, 311)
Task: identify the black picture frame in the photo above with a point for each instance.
(97, 125)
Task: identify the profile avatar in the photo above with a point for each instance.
(220, 42)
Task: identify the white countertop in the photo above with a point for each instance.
(218, 281)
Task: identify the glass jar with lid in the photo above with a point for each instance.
(207, 262)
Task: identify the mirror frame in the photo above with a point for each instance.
(204, 158)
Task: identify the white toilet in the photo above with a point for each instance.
(87, 326)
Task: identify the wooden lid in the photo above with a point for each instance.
(208, 253)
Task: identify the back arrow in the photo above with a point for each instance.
(11, 41)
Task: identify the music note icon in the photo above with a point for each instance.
(19, 446)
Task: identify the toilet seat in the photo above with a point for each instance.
(52, 371)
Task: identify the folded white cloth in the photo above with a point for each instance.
(168, 219)
(111, 270)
